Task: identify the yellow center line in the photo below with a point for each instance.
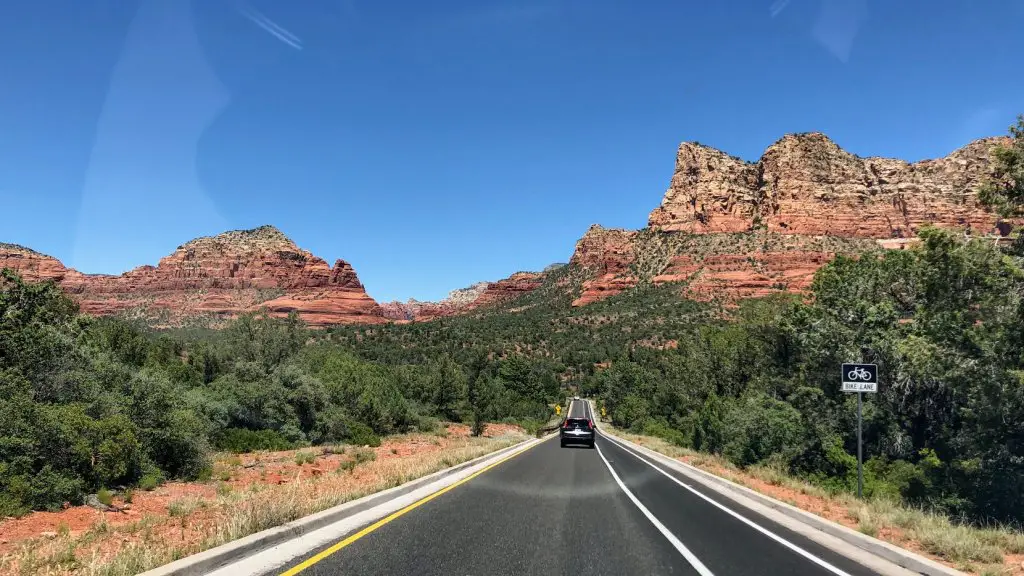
(324, 554)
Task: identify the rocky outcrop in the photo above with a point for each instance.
(466, 296)
(731, 228)
(509, 288)
(806, 184)
(608, 255)
(214, 278)
(31, 264)
(412, 310)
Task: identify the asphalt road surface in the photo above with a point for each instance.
(580, 511)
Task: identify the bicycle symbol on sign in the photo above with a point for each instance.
(859, 373)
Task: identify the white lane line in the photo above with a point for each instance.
(739, 517)
(697, 565)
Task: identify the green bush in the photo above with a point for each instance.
(661, 430)
(709, 429)
(631, 413)
(105, 497)
(180, 447)
(365, 455)
(759, 427)
(241, 440)
(424, 423)
(827, 463)
(897, 479)
(360, 434)
(152, 477)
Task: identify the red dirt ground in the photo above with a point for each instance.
(244, 471)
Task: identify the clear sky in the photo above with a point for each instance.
(437, 143)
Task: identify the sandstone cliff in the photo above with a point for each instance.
(731, 228)
(806, 184)
(214, 278)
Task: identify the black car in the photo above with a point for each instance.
(577, 431)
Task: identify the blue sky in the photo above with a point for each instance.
(436, 144)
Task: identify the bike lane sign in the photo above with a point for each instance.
(860, 378)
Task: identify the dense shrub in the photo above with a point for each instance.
(92, 403)
(240, 440)
(758, 427)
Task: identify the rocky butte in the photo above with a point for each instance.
(214, 278)
(733, 228)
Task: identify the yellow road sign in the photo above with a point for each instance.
(558, 409)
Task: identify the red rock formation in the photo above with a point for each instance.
(737, 229)
(215, 277)
(411, 310)
(608, 254)
(806, 184)
(31, 264)
(465, 299)
(503, 290)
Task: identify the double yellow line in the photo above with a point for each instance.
(324, 554)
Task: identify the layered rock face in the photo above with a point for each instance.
(806, 184)
(738, 229)
(31, 264)
(215, 277)
(608, 254)
(514, 286)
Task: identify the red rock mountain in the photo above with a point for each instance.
(738, 229)
(214, 278)
(725, 227)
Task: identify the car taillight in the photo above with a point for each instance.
(565, 424)
(590, 424)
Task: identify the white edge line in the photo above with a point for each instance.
(693, 560)
(736, 515)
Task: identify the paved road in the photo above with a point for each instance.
(580, 511)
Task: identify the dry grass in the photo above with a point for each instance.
(196, 523)
(984, 551)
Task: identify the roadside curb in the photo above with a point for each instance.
(899, 556)
(220, 556)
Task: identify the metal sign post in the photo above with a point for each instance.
(860, 378)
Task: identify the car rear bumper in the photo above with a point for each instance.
(573, 437)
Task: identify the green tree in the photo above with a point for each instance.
(449, 388)
(1004, 191)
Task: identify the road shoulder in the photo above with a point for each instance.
(870, 552)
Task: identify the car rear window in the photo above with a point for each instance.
(578, 421)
